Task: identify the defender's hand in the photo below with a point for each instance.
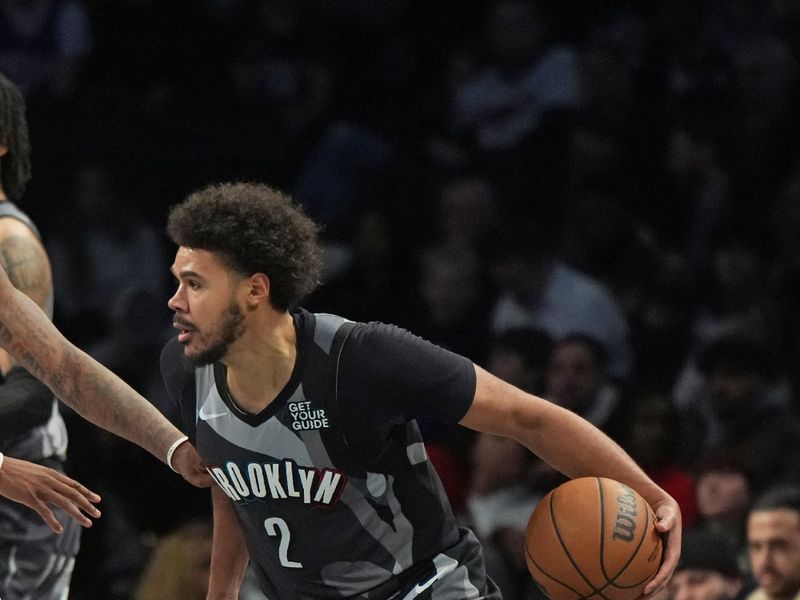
(37, 486)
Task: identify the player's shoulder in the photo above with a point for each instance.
(12, 226)
(377, 333)
(376, 341)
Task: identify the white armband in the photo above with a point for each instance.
(172, 449)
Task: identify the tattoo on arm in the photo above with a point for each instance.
(93, 391)
(28, 268)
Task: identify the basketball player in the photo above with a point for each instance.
(32, 425)
(34, 561)
(307, 421)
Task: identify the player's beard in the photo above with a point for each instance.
(229, 330)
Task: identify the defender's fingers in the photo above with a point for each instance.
(76, 493)
(48, 516)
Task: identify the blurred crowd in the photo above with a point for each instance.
(597, 201)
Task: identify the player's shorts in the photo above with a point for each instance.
(39, 568)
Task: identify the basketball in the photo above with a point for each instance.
(592, 537)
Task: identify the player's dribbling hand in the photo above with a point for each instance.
(187, 462)
(37, 486)
(668, 523)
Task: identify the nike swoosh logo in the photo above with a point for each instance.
(205, 416)
(421, 587)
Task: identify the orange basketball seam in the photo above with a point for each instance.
(602, 529)
(638, 547)
(546, 574)
(595, 590)
(610, 581)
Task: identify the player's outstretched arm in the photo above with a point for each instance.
(37, 487)
(576, 448)
(89, 388)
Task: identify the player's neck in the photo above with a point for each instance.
(260, 363)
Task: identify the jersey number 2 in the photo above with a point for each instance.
(277, 526)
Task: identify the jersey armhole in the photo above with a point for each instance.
(337, 346)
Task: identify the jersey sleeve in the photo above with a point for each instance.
(179, 382)
(25, 402)
(392, 375)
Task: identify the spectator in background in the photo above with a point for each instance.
(107, 250)
(577, 379)
(43, 44)
(499, 503)
(367, 277)
(724, 493)
(652, 436)
(686, 69)
(467, 212)
(179, 565)
(689, 206)
(663, 298)
(502, 106)
(762, 123)
(773, 538)
(707, 570)
(282, 84)
(734, 298)
(537, 289)
(738, 293)
(453, 290)
(337, 177)
(454, 300)
(603, 240)
(520, 357)
(739, 417)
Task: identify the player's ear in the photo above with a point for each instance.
(258, 290)
(3, 149)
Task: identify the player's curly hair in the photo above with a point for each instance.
(256, 229)
(16, 164)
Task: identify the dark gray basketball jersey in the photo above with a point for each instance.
(34, 561)
(334, 490)
(49, 439)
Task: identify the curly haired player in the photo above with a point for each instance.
(307, 422)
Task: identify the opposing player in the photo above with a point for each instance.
(307, 421)
(93, 392)
(32, 425)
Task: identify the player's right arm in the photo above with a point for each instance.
(90, 389)
(229, 555)
(573, 446)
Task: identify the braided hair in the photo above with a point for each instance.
(15, 166)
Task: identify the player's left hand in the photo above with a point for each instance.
(37, 487)
(668, 523)
(187, 462)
